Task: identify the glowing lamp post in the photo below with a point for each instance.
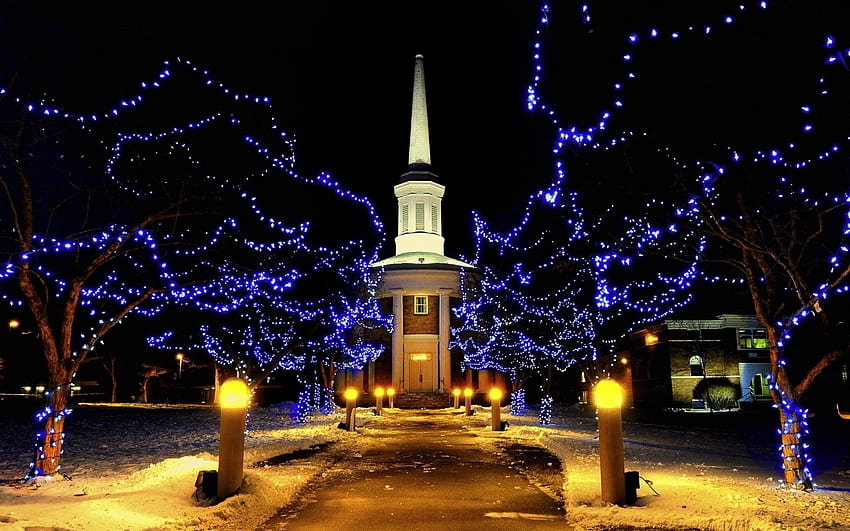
(467, 395)
(496, 408)
(609, 401)
(179, 357)
(350, 402)
(390, 396)
(235, 396)
(456, 393)
(379, 400)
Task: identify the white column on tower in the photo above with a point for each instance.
(445, 355)
(398, 340)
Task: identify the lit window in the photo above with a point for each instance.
(752, 338)
(420, 304)
(697, 368)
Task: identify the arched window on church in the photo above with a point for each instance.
(697, 367)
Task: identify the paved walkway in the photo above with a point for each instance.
(426, 472)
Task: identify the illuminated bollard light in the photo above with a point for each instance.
(496, 408)
(391, 396)
(608, 396)
(467, 395)
(235, 396)
(456, 394)
(350, 404)
(379, 400)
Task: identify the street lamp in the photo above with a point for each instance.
(496, 408)
(456, 393)
(350, 402)
(14, 324)
(179, 366)
(379, 400)
(235, 395)
(390, 396)
(608, 396)
(467, 395)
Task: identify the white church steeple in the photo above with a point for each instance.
(419, 195)
(420, 146)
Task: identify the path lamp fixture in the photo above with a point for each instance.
(608, 396)
(179, 357)
(350, 403)
(235, 396)
(379, 400)
(496, 409)
(391, 396)
(467, 395)
(456, 394)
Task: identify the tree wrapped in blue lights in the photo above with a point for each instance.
(123, 212)
(354, 317)
(312, 322)
(598, 250)
(787, 245)
(486, 334)
(559, 291)
(763, 170)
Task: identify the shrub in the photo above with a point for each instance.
(718, 393)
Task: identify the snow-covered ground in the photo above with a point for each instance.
(134, 468)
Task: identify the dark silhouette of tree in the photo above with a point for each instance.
(109, 361)
(148, 372)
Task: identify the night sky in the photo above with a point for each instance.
(339, 75)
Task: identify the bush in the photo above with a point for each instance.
(718, 393)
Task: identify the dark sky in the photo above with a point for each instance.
(339, 75)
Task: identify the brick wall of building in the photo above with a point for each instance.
(717, 362)
(421, 324)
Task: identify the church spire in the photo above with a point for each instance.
(420, 197)
(420, 239)
(420, 148)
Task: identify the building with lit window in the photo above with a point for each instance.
(672, 363)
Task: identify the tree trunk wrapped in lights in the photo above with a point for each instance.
(50, 439)
(793, 426)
